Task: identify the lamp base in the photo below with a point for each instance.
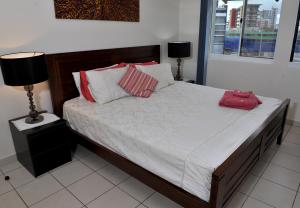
(34, 116)
(178, 76)
(31, 120)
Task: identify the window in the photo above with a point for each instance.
(296, 47)
(245, 27)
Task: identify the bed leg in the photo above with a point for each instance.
(279, 138)
(284, 118)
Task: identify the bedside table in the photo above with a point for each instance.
(42, 148)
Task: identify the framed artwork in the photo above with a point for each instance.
(112, 10)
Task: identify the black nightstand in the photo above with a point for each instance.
(43, 148)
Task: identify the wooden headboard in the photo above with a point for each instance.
(61, 66)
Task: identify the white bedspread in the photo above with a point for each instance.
(179, 133)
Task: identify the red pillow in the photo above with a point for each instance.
(84, 87)
(137, 83)
(84, 83)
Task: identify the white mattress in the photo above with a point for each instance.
(179, 133)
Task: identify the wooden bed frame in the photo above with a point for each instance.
(225, 179)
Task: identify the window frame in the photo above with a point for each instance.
(238, 54)
(295, 35)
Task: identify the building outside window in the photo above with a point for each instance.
(296, 46)
(248, 28)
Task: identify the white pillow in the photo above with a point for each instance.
(161, 72)
(76, 77)
(104, 84)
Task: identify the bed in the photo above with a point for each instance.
(181, 164)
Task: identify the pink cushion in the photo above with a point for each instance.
(137, 83)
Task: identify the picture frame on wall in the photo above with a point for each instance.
(110, 10)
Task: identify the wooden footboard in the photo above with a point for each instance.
(227, 178)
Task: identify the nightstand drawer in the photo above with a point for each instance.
(48, 139)
(45, 162)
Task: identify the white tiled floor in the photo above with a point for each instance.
(90, 182)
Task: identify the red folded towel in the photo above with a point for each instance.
(241, 94)
(240, 100)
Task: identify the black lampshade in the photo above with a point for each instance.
(21, 69)
(179, 49)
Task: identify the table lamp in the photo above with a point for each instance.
(179, 50)
(25, 69)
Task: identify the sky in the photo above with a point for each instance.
(266, 4)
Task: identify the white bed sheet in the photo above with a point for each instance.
(179, 133)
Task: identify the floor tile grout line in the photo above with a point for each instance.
(92, 168)
(6, 192)
(145, 206)
(13, 189)
(298, 156)
(294, 201)
(47, 197)
(95, 172)
(101, 195)
(35, 178)
(62, 166)
(280, 164)
(7, 172)
(21, 198)
(68, 190)
(110, 180)
(138, 205)
(149, 196)
(74, 181)
(247, 197)
(251, 197)
(285, 167)
(279, 184)
(16, 191)
(130, 194)
(259, 177)
(292, 143)
(50, 174)
(1, 174)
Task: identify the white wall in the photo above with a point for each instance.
(275, 78)
(189, 17)
(31, 25)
